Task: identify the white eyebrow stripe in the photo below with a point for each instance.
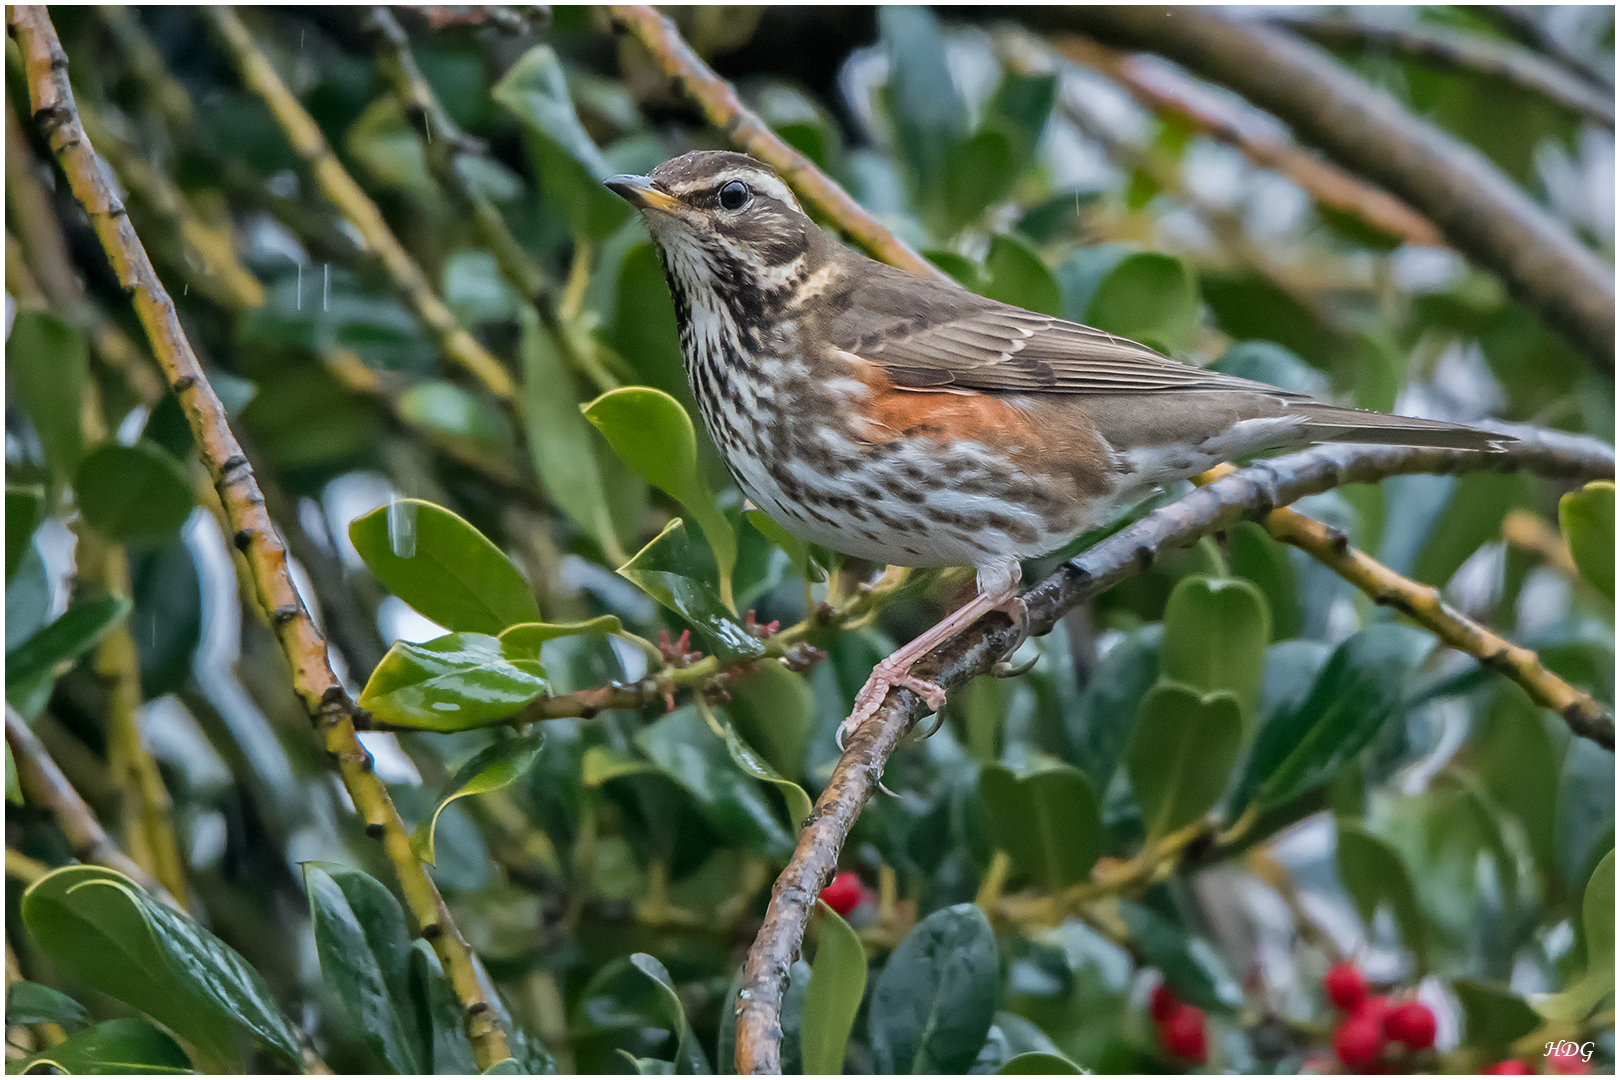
(758, 179)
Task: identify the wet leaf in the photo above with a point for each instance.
(934, 1000)
(688, 752)
(669, 569)
(798, 803)
(498, 765)
(34, 1003)
(523, 641)
(128, 1047)
(452, 683)
(689, 1059)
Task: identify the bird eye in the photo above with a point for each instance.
(734, 195)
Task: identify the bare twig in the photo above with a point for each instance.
(1470, 52)
(1425, 606)
(1478, 209)
(254, 533)
(749, 133)
(1246, 493)
(1168, 93)
(356, 206)
(1517, 22)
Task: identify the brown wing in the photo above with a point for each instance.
(927, 335)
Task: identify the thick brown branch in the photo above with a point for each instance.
(1478, 209)
(1247, 493)
(747, 132)
(254, 533)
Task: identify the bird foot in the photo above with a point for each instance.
(886, 677)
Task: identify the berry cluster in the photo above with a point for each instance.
(1565, 1060)
(1375, 1030)
(1181, 1026)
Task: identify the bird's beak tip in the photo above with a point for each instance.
(640, 192)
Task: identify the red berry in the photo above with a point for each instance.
(1183, 1034)
(1345, 986)
(1510, 1067)
(845, 892)
(1358, 1041)
(1162, 1003)
(1412, 1023)
(1567, 1061)
(1374, 1009)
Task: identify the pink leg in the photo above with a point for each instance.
(998, 586)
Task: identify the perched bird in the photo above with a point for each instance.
(909, 421)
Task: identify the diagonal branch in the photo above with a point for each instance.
(255, 534)
(1482, 213)
(724, 109)
(1247, 493)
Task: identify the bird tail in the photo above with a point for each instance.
(1328, 423)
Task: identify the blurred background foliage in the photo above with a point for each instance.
(1440, 834)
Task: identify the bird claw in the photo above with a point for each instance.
(877, 688)
(1006, 669)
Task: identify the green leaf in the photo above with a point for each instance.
(102, 930)
(133, 493)
(476, 290)
(1191, 967)
(492, 768)
(1373, 873)
(981, 172)
(1357, 692)
(652, 433)
(438, 1014)
(1037, 1063)
(452, 683)
(562, 446)
(798, 803)
(1597, 981)
(1147, 296)
(1252, 554)
(443, 567)
(1047, 820)
(1015, 275)
(504, 1067)
(686, 750)
(1587, 518)
(1020, 108)
(837, 985)
(523, 641)
(13, 789)
(535, 90)
(25, 509)
(47, 362)
(929, 116)
(446, 408)
(797, 550)
(391, 153)
(115, 1048)
(936, 997)
(34, 1003)
(689, 1059)
(1493, 1019)
(669, 569)
(1100, 729)
(1181, 754)
(73, 634)
(1215, 636)
(772, 708)
(364, 952)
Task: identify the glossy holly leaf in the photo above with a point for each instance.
(1374, 874)
(1359, 690)
(666, 1006)
(935, 999)
(837, 985)
(1587, 519)
(47, 362)
(128, 1047)
(1037, 1063)
(1597, 981)
(798, 803)
(1191, 967)
(563, 448)
(1252, 554)
(1181, 754)
(364, 951)
(1215, 636)
(439, 564)
(25, 509)
(652, 433)
(535, 90)
(688, 752)
(773, 708)
(108, 934)
(498, 765)
(1100, 729)
(1047, 820)
(670, 570)
(1493, 1019)
(452, 683)
(133, 493)
(75, 632)
(523, 641)
(1147, 296)
(1015, 274)
(447, 409)
(34, 1003)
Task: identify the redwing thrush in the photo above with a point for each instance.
(906, 420)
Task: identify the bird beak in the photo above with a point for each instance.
(641, 193)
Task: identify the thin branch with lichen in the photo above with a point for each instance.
(747, 132)
(1247, 493)
(341, 190)
(255, 534)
